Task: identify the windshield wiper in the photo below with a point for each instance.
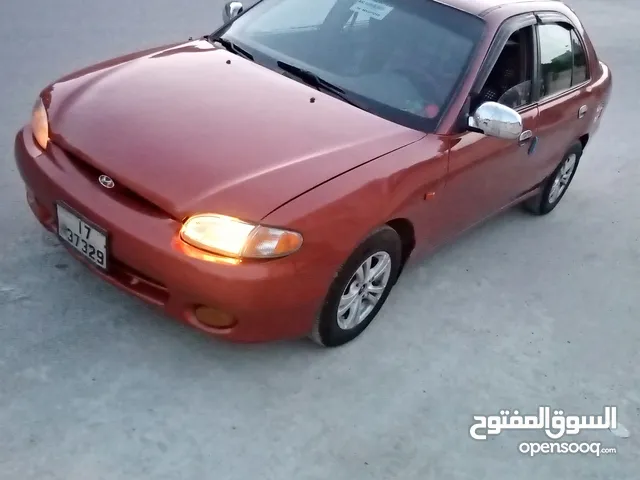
(317, 82)
(232, 47)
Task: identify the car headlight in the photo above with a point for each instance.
(40, 124)
(231, 237)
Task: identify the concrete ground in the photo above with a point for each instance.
(519, 313)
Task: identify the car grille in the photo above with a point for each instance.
(124, 195)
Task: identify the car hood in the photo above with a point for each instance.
(194, 128)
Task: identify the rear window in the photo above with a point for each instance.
(562, 57)
(580, 73)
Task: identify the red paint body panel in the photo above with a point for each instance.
(485, 173)
(190, 128)
(170, 150)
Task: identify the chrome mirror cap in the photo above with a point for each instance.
(496, 120)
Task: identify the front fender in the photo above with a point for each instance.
(334, 218)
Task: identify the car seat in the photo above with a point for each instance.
(505, 74)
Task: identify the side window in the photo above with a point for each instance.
(556, 59)
(562, 58)
(510, 80)
(580, 73)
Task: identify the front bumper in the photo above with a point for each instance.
(267, 301)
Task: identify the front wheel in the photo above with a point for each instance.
(557, 184)
(359, 290)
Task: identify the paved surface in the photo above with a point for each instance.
(521, 312)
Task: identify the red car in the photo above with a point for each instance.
(272, 179)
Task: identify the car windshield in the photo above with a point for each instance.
(399, 59)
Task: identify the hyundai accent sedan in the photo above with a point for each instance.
(272, 179)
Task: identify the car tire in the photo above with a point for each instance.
(557, 184)
(339, 321)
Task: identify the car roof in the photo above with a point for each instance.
(482, 8)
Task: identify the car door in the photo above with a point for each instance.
(564, 99)
(487, 173)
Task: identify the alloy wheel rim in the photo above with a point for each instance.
(562, 178)
(364, 290)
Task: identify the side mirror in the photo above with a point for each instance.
(231, 10)
(496, 120)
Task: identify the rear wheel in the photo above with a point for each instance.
(359, 290)
(556, 184)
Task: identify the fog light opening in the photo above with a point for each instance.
(212, 318)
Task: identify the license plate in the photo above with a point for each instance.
(86, 238)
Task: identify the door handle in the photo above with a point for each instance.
(583, 111)
(525, 137)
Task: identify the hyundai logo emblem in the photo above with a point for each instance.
(106, 182)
